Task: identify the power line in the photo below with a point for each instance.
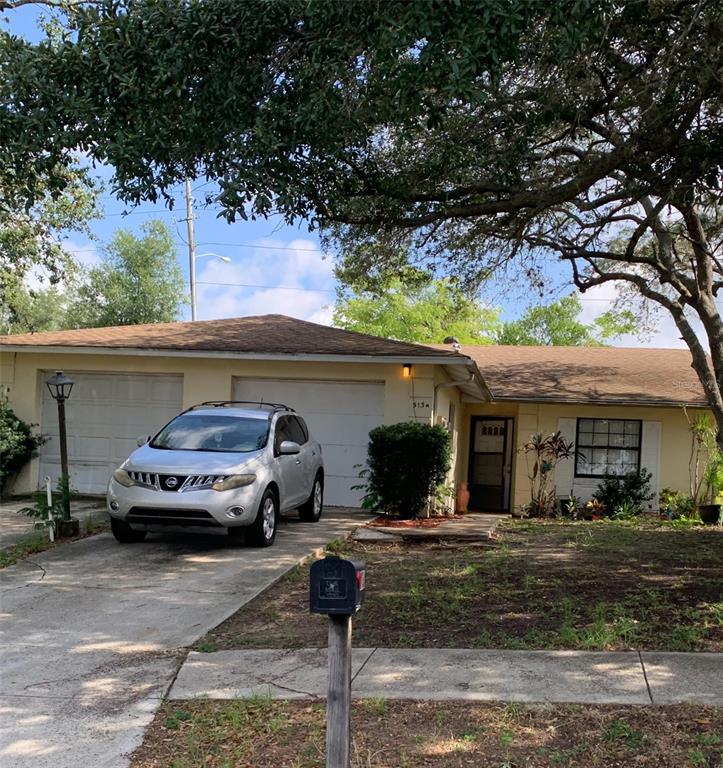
(262, 247)
(268, 287)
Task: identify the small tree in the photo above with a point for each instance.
(17, 441)
(542, 455)
(406, 464)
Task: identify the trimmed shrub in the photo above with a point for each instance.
(406, 463)
(17, 442)
(625, 495)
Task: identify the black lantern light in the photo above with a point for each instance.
(60, 387)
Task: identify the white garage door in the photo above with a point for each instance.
(105, 415)
(339, 414)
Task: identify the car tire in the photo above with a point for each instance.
(310, 510)
(124, 533)
(262, 532)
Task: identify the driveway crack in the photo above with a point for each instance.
(37, 565)
(645, 677)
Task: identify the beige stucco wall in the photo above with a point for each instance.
(207, 378)
(545, 418)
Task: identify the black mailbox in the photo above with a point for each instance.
(337, 586)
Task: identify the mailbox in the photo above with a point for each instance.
(337, 586)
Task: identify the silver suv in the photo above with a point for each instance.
(226, 464)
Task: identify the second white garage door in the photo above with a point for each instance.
(105, 415)
(339, 414)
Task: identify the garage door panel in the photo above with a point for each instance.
(339, 489)
(315, 397)
(165, 391)
(91, 448)
(341, 429)
(343, 459)
(93, 389)
(339, 414)
(105, 416)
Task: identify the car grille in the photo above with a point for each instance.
(175, 483)
(162, 516)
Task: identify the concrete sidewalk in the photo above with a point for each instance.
(456, 674)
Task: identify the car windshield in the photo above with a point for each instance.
(221, 433)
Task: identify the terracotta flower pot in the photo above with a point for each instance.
(462, 497)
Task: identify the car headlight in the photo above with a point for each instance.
(233, 481)
(123, 478)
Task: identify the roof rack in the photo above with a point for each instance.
(231, 403)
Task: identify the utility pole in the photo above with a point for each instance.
(191, 247)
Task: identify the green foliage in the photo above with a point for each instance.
(558, 324)
(49, 514)
(542, 455)
(471, 133)
(32, 310)
(624, 496)
(18, 443)
(406, 463)
(139, 281)
(425, 313)
(676, 504)
(31, 243)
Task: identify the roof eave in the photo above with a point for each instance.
(229, 355)
(599, 401)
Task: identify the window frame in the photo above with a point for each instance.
(581, 449)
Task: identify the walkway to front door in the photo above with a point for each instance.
(490, 464)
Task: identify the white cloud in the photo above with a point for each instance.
(85, 254)
(664, 333)
(268, 282)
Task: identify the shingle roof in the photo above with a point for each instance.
(263, 334)
(589, 374)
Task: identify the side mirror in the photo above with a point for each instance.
(142, 440)
(288, 448)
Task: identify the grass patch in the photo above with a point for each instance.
(38, 541)
(586, 586)
(35, 541)
(402, 734)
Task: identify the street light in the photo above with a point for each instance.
(195, 257)
(60, 387)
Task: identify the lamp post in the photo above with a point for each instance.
(195, 257)
(60, 387)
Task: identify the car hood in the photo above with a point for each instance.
(147, 459)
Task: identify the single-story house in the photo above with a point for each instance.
(622, 407)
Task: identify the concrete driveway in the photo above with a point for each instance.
(94, 632)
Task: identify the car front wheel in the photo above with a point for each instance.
(262, 532)
(310, 511)
(124, 533)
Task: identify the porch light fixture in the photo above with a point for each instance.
(407, 371)
(60, 386)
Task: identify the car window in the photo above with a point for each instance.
(283, 431)
(212, 432)
(297, 430)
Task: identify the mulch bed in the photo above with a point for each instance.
(407, 734)
(421, 522)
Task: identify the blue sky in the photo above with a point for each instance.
(274, 268)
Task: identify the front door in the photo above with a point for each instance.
(490, 464)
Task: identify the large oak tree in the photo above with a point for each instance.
(474, 132)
